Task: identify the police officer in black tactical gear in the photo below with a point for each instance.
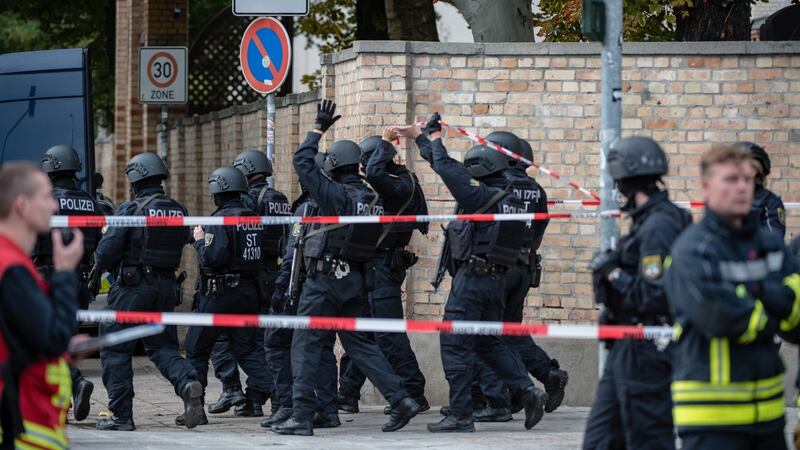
(335, 284)
(231, 259)
(633, 408)
(278, 341)
(771, 212)
(61, 163)
(106, 205)
(401, 195)
(145, 260)
(266, 201)
(482, 253)
(519, 279)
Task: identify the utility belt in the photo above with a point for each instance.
(133, 275)
(397, 258)
(220, 282)
(333, 267)
(479, 266)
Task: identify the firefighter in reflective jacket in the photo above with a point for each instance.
(732, 285)
(37, 318)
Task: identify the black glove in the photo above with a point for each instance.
(433, 124)
(325, 115)
(279, 299)
(603, 263)
(777, 298)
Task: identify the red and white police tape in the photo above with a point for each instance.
(381, 325)
(482, 141)
(183, 221)
(682, 203)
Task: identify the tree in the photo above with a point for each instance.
(707, 20)
(654, 20)
(409, 20)
(497, 21)
(38, 25)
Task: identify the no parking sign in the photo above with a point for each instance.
(265, 55)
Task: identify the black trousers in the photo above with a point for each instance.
(324, 295)
(536, 360)
(733, 441)
(633, 405)
(386, 302)
(278, 348)
(475, 297)
(225, 368)
(154, 293)
(242, 343)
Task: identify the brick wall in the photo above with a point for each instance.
(685, 95)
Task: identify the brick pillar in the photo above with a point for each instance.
(140, 23)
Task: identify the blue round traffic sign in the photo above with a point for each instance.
(265, 54)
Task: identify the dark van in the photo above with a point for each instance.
(46, 100)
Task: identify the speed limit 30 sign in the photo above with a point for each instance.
(163, 74)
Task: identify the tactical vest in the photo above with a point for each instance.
(354, 243)
(399, 234)
(71, 202)
(497, 242)
(246, 243)
(270, 202)
(530, 195)
(159, 247)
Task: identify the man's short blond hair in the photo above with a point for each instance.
(16, 179)
(720, 154)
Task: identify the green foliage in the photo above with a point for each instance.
(644, 20)
(41, 25)
(330, 24)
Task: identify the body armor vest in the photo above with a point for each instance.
(349, 242)
(497, 242)
(399, 234)
(270, 202)
(159, 247)
(71, 202)
(246, 243)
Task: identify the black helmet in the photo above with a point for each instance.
(342, 153)
(482, 161)
(146, 165)
(759, 154)
(227, 179)
(252, 162)
(61, 158)
(507, 140)
(525, 150)
(368, 147)
(636, 157)
(98, 180)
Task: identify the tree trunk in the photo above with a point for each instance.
(714, 20)
(411, 20)
(371, 21)
(497, 21)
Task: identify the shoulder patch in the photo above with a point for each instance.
(209, 238)
(296, 228)
(474, 182)
(782, 216)
(652, 266)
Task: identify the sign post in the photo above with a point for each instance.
(162, 81)
(265, 55)
(270, 7)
